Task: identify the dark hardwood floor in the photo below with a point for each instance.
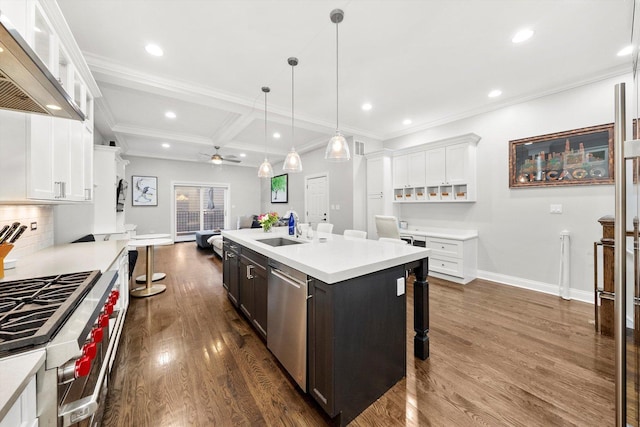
(500, 356)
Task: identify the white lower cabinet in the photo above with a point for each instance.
(456, 259)
(23, 412)
(454, 253)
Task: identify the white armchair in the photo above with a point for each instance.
(387, 226)
(324, 227)
(355, 233)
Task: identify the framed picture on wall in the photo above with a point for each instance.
(144, 190)
(279, 188)
(577, 157)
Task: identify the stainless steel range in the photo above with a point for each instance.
(77, 319)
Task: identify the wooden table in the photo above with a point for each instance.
(155, 276)
(150, 288)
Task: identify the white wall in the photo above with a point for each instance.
(347, 186)
(243, 181)
(340, 189)
(72, 221)
(519, 238)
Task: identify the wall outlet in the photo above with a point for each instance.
(34, 226)
(400, 286)
(555, 209)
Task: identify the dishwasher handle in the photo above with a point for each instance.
(286, 278)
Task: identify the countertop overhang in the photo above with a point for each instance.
(337, 259)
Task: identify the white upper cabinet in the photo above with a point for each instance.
(441, 171)
(447, 165)
(457, 164)
(435, 167)
(408, 170)
(40, 158)
(50, 159)
(43, 27)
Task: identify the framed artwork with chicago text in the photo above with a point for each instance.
(577, 157)
(145, 190)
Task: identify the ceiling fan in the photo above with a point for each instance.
(217, 159)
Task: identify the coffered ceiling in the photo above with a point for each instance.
(430, 61)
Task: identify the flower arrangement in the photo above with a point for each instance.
(267, 220)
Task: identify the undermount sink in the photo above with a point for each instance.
(279, 241)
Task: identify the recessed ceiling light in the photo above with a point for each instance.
(170, 115)
(367, 106)
(522, 35)
(166, 145)
(1, 50)
(626, 51)
(154, 49)
(407, 122)
(495, 93)
(53, 107)
(243, 154)
(276, 135)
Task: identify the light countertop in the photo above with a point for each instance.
(67, 258)
(339, 258)
(442, 233)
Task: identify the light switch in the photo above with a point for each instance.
(400, 286)
(337, 207)
(555, 209)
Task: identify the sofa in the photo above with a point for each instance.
(206, 239)
(216, 242)
(203, 235)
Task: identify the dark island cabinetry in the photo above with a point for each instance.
(244, 276)
(357, 341)
(253, 289)
(230, 272)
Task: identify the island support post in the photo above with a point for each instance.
(421, 308)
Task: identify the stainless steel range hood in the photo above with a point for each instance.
(25, 82)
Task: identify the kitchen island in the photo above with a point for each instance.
(350, 321)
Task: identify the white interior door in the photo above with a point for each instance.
(317, 198)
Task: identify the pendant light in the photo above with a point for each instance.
(265, 170)
(337, 148)
(292, 163)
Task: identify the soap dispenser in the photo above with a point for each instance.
(292, 225)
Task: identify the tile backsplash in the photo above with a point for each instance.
(32, 240)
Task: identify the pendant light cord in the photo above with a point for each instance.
(265, 125)
(337, 103)
(292, 110)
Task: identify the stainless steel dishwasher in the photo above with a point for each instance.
(287, 319)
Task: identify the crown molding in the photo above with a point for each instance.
(610, 73)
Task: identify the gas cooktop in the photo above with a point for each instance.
(32, 310)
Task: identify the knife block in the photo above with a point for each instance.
(5, 248)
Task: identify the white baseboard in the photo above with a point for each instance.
(547, 288)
